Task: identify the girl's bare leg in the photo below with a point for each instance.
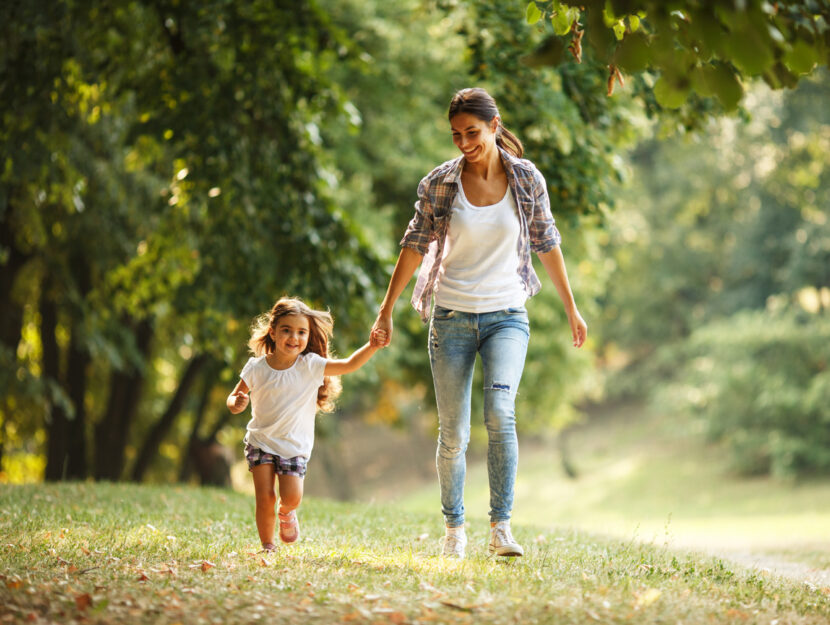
(291, 492)
(266, 500)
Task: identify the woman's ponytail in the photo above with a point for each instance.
(506, 140)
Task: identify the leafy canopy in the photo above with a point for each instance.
(694, 48)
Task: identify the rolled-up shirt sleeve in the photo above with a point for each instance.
(419, 232)
(544, 236)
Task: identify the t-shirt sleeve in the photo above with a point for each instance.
(316, 367)
(248, 374)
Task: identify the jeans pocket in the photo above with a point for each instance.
(440, 313)
(518, 310)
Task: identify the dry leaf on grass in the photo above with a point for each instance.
(82, 602)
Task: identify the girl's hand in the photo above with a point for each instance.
(579, 329)
(237, 402)
(381, 334)
(378, 338)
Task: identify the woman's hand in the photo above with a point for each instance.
(381, 334)
(579, 329)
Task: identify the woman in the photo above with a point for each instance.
(477, 219)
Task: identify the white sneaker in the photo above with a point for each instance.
(502, 542)
(454, 543)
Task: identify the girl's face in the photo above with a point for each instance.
(290, 335)
(475, 137)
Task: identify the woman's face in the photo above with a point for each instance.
(475, 137)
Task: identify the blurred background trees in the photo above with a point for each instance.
(169, 169)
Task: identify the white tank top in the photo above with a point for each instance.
(480, 268)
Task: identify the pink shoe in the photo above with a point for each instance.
(269, 547)
(289, 527)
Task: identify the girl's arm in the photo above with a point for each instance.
(408, 262)
(237, 401)
(355, 361)
(554, 264)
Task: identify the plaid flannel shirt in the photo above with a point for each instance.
(427, 231)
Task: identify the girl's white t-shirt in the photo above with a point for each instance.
(480, 268)
(283, 404)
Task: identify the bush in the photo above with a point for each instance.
(760, 383)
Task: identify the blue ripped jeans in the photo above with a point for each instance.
(501, 338)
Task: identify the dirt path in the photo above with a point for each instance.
(771, 565)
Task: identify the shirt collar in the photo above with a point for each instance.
(508, 160)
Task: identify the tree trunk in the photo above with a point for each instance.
(75, 377)
(56, 418)
(156, 435)
(125, 392)
(186, 468)
(11, 312)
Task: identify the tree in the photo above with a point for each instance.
(688, 50)
(157, 144)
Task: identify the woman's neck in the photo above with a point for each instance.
(486, 168)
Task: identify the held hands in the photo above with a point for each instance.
(237, 402)
(381, 335)
(378, 338)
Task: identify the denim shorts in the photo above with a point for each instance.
(282, 466)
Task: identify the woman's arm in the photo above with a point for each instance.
(554, 264)
(237, 401)
(353, 362)
(408, 262)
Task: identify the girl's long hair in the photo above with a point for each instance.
(320, 331)
(476, 101)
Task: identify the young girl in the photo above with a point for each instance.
(289, 379)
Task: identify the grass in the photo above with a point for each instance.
(647, 477)
(121, 553)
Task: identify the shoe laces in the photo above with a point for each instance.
(502, 534)
(454, 543)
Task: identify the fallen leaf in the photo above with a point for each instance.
(143, 577)
(14, 584)
(207, 565)
(263, 562)
(82, 602)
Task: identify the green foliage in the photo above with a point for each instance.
(741, 224)
(761, 384)
(707, 49)
(744, 228)
(162, 180)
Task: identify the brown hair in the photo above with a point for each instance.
(476, 101)
(320, 330)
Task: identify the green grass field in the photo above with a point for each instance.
(121, 553)
(647, 478)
